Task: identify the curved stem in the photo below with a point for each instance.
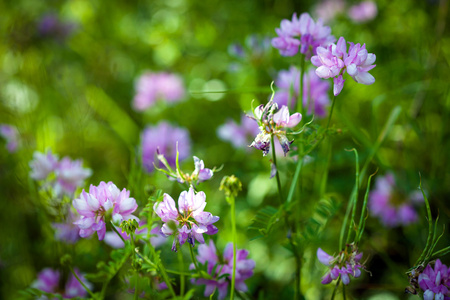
(331, 112)
(274, 158)
(194, 260)
(335, 288)
(81, 282)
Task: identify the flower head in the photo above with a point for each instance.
(42, 165)
(163, 139)
(11, 135)
(363, 12)
(435, 283)
(217, 266)
(346, 264)
(390, 206)
(189, 221)
(315, 90)
(103, 203)
(152, 87)
(333, 61)
(301, 34)
(48, 281)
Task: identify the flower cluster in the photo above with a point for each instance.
(362, 12)
(151, 87)
(315, 90)
(12, 137)
(218, 267)
(69, 174)
(189, 221)
(435, 283)
(301, 33)
(48, 281)
(164, 139)
(391, 207)
(238, 135)
(103, 203)
(345, 264)
(273, 123)
(333, 61)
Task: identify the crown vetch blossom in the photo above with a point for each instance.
(333, 61)
(392, 208)
(314, 89)
(345, 264)
(435, 283)
(273, 123)
(42, 165)
(163, 138)
(189, 222)
(218, 266)
(151, 87)
(48, 281)
(11, 135)
(102, 202)
(301, 33)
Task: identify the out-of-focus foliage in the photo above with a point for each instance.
(71, 91)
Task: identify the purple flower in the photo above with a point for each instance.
(362, 12)
(66, 232)
(156, 239)
(345, 264)
(435, 282)
(315, 90)
(238, 135)
(164, 138)
(328, 9)
(12, 137)
(48, 281)
(199, 174)
(216, 267)
(273, 123)
(392, 208)
(42, 165)
(50, 26)
(70, 174)
(301, 33)
(103, 202)
(334, 61)
(152, 87)
(189, 222)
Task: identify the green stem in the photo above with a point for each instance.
(331, 112)
(82, 283)
(115, 229)
(295, 179)
(354, 198)
(300, 90)
(274, 158)
(194, 260)
(134, 249)
(231, 200)
(335, 288)
(181, 264)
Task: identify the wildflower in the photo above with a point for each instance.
(218, 266)
(301, 33)
(435, 283)
(238, 135)
(333, 61)
(51, 26)
(12, 137)
(189, 222)
(42, 165)
(345, 264)
(70, 174)
(363, 12)
(315, 90)
(328, 9)
(66, 232)
(164, 138)
(390, 206)
(101, 203)
(152, 87)
(250, 54)
(48, 281)
(273, 123)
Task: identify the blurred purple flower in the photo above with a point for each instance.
(328, 9)
(238, 135)
(216, 267)
(334, 61)
(48, 281)
(156, 239)
(251, 54)
(103, 202)
(344, 265)
(435, 283)
(164, 138)
(51, 26)
(152, 87)
(189, 222)
(313, 88)
(66, 232)
(301, 33)
(363, 12)
(12, 137)
(70, 174)
(393, 209)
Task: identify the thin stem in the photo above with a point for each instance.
(181, 265)
(331, 112)
(300, 90)
(343, 291)
(133, 247)
(274, 158)
(295, 179)
(115, 229)
(194, 260)
(231, 200)
(335, 288)
(81, 282)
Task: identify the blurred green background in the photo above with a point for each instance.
(72, 94)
